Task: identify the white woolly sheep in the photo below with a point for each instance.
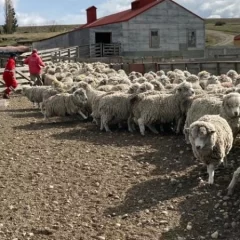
(165, 108)
(211, 139)
(233, 182)
(64, 104)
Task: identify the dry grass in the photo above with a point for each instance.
(231, 26)
(34, 33)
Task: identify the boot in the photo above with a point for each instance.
(6, 96)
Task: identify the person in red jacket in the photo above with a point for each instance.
(35, 63)
(9, 75)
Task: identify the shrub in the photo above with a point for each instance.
(220, 23)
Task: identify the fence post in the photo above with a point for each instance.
(77, 52)
(69, 55)
(218, 68)
(59, 54)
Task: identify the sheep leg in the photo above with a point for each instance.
(104, 121)
(210, 170)
(133, 127)
(152, 128)
(179, 124)
(120, 126)
(225, 162)
(130, 129)
(141, 126)
(82, 114)
(101, 125)
(234, 181)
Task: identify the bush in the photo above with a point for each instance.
(220, 23)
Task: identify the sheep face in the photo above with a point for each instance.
(202, 136)
(231, 105)
(203, 75)
(134, 88)
(185, 90)
(81, 95)
(145, 87)
(213, 80)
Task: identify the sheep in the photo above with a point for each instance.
(211, 139)
(114, 107)
(68, 79)
(64, 104)
(195, 81)
(49, 79)
(227, 107)
(203, 77)
(35, 94)
(157, 85)
(201, 106)
(92, 95)
(160, 73)
(186, 73)
(146, 86)
(179, 79)
(230, 111)
(165, 108)
(134, 88)
(224, 78)
(233, 182)
(164, 80)
(212, 83)
(232, 74)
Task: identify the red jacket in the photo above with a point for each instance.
(9, 71)
(34, 62)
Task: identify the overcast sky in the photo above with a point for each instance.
(41, 12)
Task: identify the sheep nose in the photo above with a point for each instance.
(198, 147)
(236, 114)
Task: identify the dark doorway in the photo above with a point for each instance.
(103, 37)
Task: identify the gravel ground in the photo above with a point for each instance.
(67, 180)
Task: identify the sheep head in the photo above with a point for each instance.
(231, 105)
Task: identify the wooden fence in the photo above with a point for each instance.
(22, 76)
(98, 50)
(213, 67)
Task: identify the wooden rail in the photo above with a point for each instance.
(98, 50)
(22, 76)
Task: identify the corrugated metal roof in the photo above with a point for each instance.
(127, 15)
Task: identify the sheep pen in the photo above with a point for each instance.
(69, 180)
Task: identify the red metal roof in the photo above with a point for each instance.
(237, 37)
(127, 15)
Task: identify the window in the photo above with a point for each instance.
(192, 38)
(154, 39)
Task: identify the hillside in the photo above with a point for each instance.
(34, 33)
(228, 29)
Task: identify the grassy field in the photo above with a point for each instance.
(231, 26)
(34, 33)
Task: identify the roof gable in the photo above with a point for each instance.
(127, 15)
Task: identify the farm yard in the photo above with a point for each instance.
(66, 179)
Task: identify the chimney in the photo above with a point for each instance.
(91, 14)
(143, 3)
(135, 4)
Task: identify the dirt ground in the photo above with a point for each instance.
(67, 180)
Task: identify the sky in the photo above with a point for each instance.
(47, 12)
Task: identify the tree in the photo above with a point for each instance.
(10, 25)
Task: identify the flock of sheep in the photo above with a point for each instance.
(205, 107)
